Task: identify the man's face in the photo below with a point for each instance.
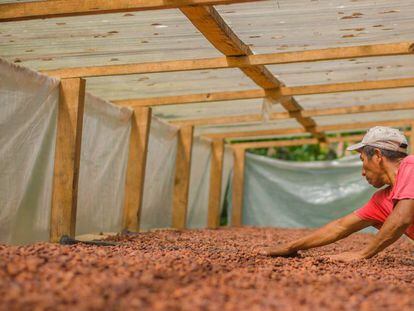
(371, 170)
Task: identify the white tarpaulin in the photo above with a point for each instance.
(104, 156)
(159, 176)
(199, 184)
(301, 194)
(28, 111)
(28, 115)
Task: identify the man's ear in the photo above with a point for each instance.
(379, 155)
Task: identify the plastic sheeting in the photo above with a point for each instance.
(104, 157)
(301, 194)
(199, 184)
(28, 115)
(159, 176)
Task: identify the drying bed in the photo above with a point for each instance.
(204, 270)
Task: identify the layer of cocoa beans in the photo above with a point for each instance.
(204, 270)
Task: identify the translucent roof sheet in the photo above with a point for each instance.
(266, 27)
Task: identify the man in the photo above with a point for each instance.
(383, 152)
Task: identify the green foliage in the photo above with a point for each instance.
(298, 153)
(305, 153)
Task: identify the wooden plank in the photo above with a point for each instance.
(230, 119)
(365, 125)
(328, 54)
(347, 87)
(209, 22)
(259, 133)
(237, 187)
(298, 130)
(295, 142)
(216, 171)
(260, 93)
(191, 98)
(299, 142)
(61, 8)
(277, 143)
(214, 28)
(182, 177)
(67, 158)
(306, 113)
(138, 149)
(359, 109)
(295, 111)
(236, 61)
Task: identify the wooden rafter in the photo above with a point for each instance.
(348, 87)
(301, 141)
(305, 113)
(236, 61)
(191, 98)
(260, 93)
(295, 142)
(298, 130)
(60, 8)
(209, 22)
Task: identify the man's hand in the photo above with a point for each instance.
(280, 251)
(347, 256)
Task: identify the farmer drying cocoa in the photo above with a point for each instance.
(383, 152)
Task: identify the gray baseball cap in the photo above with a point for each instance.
(383, 137)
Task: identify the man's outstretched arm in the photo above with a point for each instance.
(392, 229)
(331, 232)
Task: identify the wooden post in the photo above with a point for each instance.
(411, 142)
(182, 177)
(67, 158)
(238, 187)
(216, 171)
(138, 149)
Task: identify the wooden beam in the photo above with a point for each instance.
(298, 130)
(277, 143)
(237, 187)
(295, 111)
(365, 125)
(259, 133)
(306, 113)
(347, 87)
(260, 93)
(230, 119)
(236, 61)
(135, 176)
(182, 177)
(209, 22)
(61, 8)
(359, 109)
(294, 142)
(216, 172)
(191, 98)
(67, 158)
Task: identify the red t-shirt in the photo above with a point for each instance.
(380, 206)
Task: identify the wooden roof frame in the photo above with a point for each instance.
(237, 54)
(297, 130)
(359, 51)
(62, 8)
